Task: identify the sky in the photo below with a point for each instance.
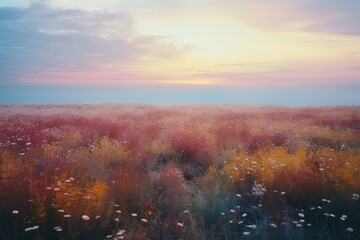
(283, 52)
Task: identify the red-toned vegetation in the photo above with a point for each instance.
(194, 172)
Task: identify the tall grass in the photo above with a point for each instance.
(195, 172)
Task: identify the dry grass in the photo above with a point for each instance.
(179, 172)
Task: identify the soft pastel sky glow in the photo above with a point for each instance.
(266, 47)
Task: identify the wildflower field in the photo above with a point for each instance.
(179, 172)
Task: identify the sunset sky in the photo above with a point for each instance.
(289, 52)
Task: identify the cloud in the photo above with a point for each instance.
(354, 69)
(291, 74)
(321, 16)
(39, 39)
(55, 42)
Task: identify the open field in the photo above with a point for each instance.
(179, 172)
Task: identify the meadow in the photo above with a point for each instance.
(179, 172)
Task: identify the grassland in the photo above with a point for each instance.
(179, 172)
